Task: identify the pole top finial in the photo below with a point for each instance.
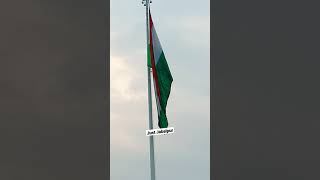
(146, 2)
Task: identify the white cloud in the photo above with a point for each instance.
(122, 75)
(125, 100)
(185, 39)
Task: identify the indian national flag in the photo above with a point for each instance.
(162, 78)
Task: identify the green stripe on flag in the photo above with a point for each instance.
(165, 80)
(163, 121)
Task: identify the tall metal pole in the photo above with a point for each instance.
(151, 143)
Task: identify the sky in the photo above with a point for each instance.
(184, 32)
(53, 108)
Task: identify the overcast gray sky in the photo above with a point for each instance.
(183, 28)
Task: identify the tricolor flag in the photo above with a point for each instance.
(162, 78)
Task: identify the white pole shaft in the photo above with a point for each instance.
(152, 163)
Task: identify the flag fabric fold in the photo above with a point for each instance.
(162, 78)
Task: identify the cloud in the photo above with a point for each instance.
(185, 40)
(188, 112)
(124, 102)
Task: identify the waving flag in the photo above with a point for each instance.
(162, 78)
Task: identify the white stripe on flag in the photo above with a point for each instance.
(157, 49)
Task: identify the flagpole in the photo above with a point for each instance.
(151, 142)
